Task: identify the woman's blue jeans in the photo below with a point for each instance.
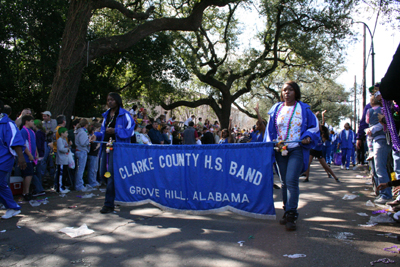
(92, 168)
(81, 157)
(382, 150)
(290, 168)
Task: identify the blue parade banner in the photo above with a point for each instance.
(197, 179)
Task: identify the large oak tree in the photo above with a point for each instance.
(76, 52)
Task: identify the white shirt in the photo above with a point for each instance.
(295, 129)
(187, 121)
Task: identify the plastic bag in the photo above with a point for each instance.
(381, 218)
(71, 161)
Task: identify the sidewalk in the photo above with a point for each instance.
(328, 232)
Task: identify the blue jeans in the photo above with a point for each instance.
(48, 161)
(290, 168)
(382, 150)
(396, 163)
(110, 191)
(93, 166)
(81, 158)
(37, 177)
(6, 196)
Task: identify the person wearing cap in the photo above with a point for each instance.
(49, 124)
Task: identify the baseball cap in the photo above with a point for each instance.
(47, 113)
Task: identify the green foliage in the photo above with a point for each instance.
(30, 35)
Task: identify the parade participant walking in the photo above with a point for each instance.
(291, 120)
(118, 126)
(11, 144)
(346, 143)
(317, 152)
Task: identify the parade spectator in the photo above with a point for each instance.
(226, 135)
(155, 135)
(62, 174)
(41, 164)
(117, 125)
(166, 133)
(171, 120)
(82, 149)
(186, 123)
(93, 155)
(380, 147)
(144, 135)
(190, 134)
(208, 137)
(138, 136)
(346, 143)
(49, 124)
(11, 144)
(199, 124)
(176, 138)
(132, 111)
(24, 112)
(291, 120)
(30, 154)
(61, 122)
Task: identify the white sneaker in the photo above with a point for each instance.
(347, 168)
(10, 213)
(342, 167)
(65, 191)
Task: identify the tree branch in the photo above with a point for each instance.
(123, 9)
(244, 111)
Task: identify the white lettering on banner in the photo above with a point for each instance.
(174, 194)
(144, 191)
(221, 197)
(177, 160)
(249, 175)
(120, 173)
(218, 164)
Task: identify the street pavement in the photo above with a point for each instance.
(328, 232)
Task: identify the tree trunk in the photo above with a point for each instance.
(72, 59)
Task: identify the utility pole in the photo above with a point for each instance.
(355, 104)
(364, 69)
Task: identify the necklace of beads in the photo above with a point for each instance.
(391, 125)
(289, 123)
(112, 118)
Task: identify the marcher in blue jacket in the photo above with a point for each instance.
(291, 120)
(346, 142)
(11, 144)
(117, 125)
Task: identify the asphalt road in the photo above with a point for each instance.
(328, 232)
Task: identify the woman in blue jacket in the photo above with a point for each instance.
(117, 125)
(291, 120)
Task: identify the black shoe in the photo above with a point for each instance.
(276, 186)
(106, 209)
(330, 176)
(291, 218)
(27, 197)
(283, 221)
(306, 180)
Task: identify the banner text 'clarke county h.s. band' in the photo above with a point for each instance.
(198, 179)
